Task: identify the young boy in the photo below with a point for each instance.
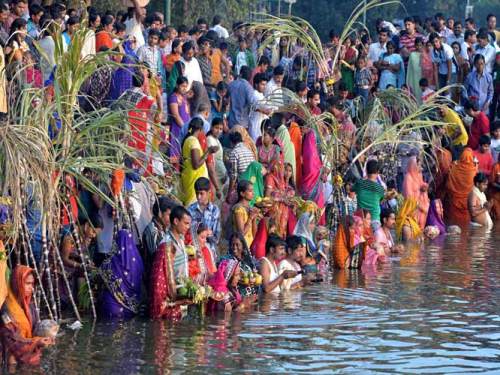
(427, 92)
(149, 53)
(477, 203)
(483, 155)
(244, 56)
(495, 140)
(259, 111)
(363, 79)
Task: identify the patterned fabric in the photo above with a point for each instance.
(209, 217)
(363, 77)
(206, 69)
(151, 56)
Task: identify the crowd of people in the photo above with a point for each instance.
(250, 202)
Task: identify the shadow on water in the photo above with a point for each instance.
(434, 309)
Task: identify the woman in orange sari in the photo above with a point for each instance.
(19, 318)
(415, 187)
(350, 244)
(277, 189)
(458, 186)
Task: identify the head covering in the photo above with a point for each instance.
(302, 229)
(18, 304)
(253, 174)
(406, 217)
(413, 179)
(247, 140)
(220, 280)
(434, 219)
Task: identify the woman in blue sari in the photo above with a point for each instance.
(122, 275)
(392, 67)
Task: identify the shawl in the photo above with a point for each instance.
(302, 229)
(287, 147)
(406, 217)
(18, 304)
(434, 218)
(253, 174)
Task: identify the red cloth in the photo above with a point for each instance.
(486, 162)
(258, 247)
(480, 126)
(139, 128)
(103, 39)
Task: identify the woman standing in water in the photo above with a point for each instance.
(19, 318)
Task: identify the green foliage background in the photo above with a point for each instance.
(324, 15)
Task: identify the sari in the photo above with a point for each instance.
(444, 160)
(267, 156)
(413, 184)
(349, 246)
(414, 74)
(494, 193)
(176, 129)
(275, 182)
(434, 218)
(19, 318)
(223, 293)
(253, 174)
(122, 276)
(189, 174)
(247, 140)
(406, 217)
(312, 187)
(162, 286)
(303, 230)
(347, 73)
(458, 186)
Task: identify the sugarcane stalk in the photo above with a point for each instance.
(45, 251)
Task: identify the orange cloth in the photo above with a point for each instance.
(495, 193)
(413, 184)
(103, 39)
(444, 160)
(341, 247)
(216, 60)
(170, 60)
(459, 185)
(296, 138)
(18, 304)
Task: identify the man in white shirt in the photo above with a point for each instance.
(442, 56)
(378, 48)
(192, 69)
(259, 111)
(273, 91)
(484, 48)
(457, 34)
(468, 45)
(136, 16)
(218, 28)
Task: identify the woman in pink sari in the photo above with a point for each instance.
(415, 187)
(312, 169)
(427, 65)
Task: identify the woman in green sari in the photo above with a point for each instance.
(414, 72)
(254, 174)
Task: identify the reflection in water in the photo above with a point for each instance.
(434, 309)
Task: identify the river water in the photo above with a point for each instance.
(434, 310)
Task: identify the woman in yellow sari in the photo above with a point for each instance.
(407, 228)
(194, 161)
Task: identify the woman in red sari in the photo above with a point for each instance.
(163, 290)
(19, 318)
(443, 160)
(269, 150)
